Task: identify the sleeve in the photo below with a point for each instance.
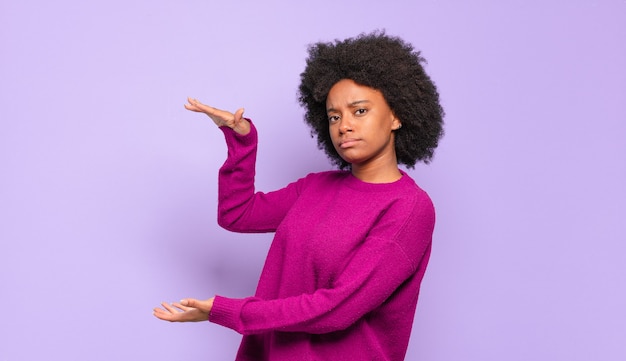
(240, 208)
(390, 255)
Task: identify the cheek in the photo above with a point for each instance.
(332, 131)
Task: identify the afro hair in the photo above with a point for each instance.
(389, 65)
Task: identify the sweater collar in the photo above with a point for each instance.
(357, 184)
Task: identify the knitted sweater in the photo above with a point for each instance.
(342, 275)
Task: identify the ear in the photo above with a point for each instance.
(396, 123)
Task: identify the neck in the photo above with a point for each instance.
(386, 172)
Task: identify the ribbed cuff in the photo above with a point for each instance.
(232, 136)
(227, 312)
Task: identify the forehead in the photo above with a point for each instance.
(347, 91)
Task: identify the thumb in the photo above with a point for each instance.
(189, 302)
(239, 114)
(204, 306)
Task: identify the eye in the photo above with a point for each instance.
(361, 111)
(333, 118)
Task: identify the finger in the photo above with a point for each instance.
(216, 114)
(169, 308)
(203, 107)
(193, 105)
(181, 307)
(163, 315)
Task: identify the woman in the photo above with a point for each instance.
(342, 276)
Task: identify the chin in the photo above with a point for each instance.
(352, 161)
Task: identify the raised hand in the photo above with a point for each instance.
(221, 118)
(187, 310)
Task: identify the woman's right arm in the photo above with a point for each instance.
(240, 208)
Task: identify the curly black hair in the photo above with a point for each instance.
(381, 62)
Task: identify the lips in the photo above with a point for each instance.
(347, 143)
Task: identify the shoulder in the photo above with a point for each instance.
(421, 204)
(414, 194)
(409, 209)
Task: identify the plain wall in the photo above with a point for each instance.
(108, 185)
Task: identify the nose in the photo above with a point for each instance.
(345, 125)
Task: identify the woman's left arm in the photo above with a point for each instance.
(380, 266)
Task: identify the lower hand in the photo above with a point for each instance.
(187, 310)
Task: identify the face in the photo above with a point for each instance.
(361, 124)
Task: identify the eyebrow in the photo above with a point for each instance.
(351, 105)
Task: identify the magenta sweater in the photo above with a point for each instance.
(343, 273)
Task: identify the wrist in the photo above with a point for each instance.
(243, 127)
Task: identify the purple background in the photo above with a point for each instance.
(108, 186)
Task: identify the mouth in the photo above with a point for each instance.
(347, 143)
